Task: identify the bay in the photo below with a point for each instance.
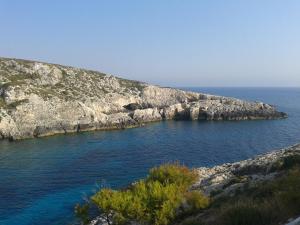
(42, 179)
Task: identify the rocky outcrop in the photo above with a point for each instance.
(40, 99)
(227, 178)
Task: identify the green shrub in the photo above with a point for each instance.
(287, 192)
(2, 102)
(14, 105)
(196, 200)
(163, 197)
(192, 221)
(291, 161)
(246, 213)
(286, 163)
(154, 201)
(173, 174)
(82, 212)
(119, 206)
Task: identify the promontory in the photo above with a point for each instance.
(40, 99)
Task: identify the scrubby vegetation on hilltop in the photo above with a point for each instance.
(52, 80)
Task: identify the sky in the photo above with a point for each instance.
(165, 42)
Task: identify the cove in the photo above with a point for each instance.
(42, 179)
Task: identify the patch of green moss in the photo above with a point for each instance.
(14, 105)
(19, 78)
(64, 73)
(2, 103)
(131, 84)
(235, 180)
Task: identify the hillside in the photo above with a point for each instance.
(40, 99)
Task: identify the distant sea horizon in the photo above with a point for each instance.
(233, 87)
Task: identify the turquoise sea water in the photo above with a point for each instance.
(42, 179)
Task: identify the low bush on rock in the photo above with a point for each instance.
(196, 200)
(164, 197)
(155, 200)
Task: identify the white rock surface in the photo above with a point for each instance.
(40, 99)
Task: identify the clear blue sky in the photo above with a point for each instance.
(171, 43)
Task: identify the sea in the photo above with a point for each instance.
(42, 179)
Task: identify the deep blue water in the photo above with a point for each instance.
(42, 179)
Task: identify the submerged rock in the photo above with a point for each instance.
(39, 99)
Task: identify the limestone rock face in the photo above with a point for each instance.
(147, 115)
(161, 97)
(40, 99)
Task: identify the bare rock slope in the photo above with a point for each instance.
(40, 99)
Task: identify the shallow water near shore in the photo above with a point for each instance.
(42, 179)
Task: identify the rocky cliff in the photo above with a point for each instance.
(40, 99)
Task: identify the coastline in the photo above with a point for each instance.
(231, 180)
(257, 168)
(40, 99)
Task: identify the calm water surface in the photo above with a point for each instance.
(42, 179)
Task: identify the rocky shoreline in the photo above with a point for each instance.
(227, 178)
(40, 99)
